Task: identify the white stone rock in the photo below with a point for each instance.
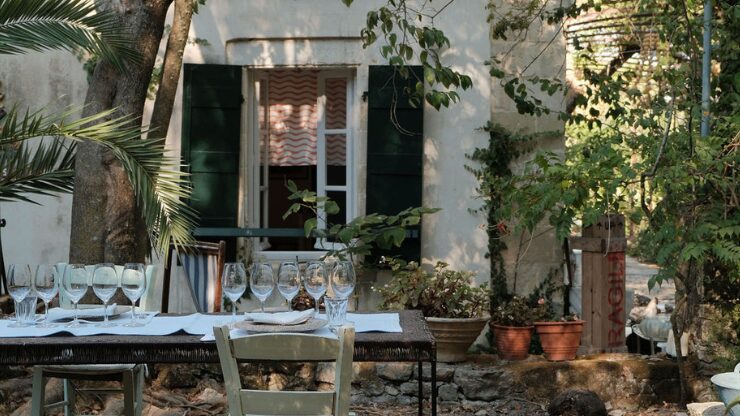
(706, 409)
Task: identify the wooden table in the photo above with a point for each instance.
(414, 344)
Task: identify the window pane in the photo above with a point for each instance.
(293, 117)
(336, 103)
(336, 149)
(340, 198)
(336, 175)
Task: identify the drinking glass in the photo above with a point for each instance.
(343, 279)
(19, 287)
(289, 281)
(46, 284)
(105, 282)
(262, 282)
(74, 284)
(133, 285)
(315, 281)
(234, 283)
(336, 311)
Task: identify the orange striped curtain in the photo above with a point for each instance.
(293, 118)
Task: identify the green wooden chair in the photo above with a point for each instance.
(131, 376)
(286, 347)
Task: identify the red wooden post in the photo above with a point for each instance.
(603, 288)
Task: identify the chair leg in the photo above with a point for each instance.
(37, 395)
(129, 393)
(69, 398)
(139, 389)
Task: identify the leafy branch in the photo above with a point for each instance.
(359, 236)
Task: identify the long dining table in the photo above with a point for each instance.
(414, 344)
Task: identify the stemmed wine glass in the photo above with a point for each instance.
(133, 285)
(262, 282)
(19, 286)
(289, 281)
(315, 281)
(105, 282)
(234, 283)
(46, 284)
(343, 279)
(74, 284)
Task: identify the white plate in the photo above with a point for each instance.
(311, 325)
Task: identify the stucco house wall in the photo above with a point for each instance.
(295, 33)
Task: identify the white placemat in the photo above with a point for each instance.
(375, 322)
(155, 325)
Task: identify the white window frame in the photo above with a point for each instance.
(258, 214)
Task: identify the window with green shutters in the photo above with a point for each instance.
(395, 148)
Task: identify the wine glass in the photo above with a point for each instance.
(262, 282)
(104, 283)
(46, 284)
(314, 281)
(19, 286)
(133, 285)
(343, 279)
(289, 281)
(234, 283)
(74, 284)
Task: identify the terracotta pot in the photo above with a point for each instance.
(454, 336)
(512, 342)
(560, 340)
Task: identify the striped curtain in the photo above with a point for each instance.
(293, 118)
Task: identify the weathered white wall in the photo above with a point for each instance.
(49, 81)
(265, 33)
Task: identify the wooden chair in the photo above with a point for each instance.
(203, 263)
(286, 347)
(131, 376)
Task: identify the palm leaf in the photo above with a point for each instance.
(47, 170)
(161, 188)
(38, 25)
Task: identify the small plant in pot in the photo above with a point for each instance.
(455, 309)
(560, 338)
(512, 324)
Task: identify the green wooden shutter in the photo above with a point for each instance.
(212, 100)
(394, 149)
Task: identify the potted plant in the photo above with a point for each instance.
(560, 338)
(454, 308)
(512, 324)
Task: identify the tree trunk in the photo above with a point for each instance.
(176, 43)
(106, 225)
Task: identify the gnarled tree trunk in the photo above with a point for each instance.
(106, 225)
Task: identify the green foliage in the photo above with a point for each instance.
(442, 293)
(359, 236)
(158, 184)
(38, 25)
(408, 33)
(519, 311)
(494, 180)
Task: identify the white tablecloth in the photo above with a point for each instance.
(195, 324)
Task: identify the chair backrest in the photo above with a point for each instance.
(203, 264)
(286, 347)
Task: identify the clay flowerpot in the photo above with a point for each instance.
(454, 336)
(560, 340)
(512, 342)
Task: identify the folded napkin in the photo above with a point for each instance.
(95, 312)
(280, 318)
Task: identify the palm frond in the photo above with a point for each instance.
(38, 25)
(47, 169)
(161, 188)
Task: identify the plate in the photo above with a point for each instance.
(311, 325)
